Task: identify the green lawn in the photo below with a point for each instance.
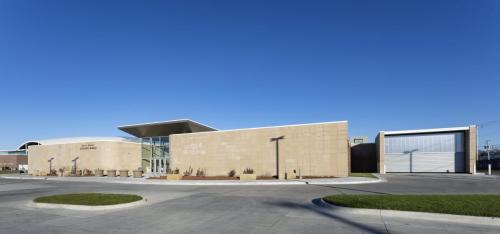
(89, 199)
(475, 205)
(9, 172)
(358, 174)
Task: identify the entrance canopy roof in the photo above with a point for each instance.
(165, 128)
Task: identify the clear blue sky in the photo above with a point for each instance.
(81, 68)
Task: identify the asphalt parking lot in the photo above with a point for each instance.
(232, 209)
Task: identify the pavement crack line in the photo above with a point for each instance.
(383, 221)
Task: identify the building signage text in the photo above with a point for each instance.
(88, 147)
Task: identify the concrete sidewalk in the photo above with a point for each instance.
(130, 180)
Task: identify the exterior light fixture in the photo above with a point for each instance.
(74, 165)
(50, 165)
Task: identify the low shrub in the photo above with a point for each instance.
(173, 172)
(248, 171)
(200, 172)
(231, 173)
(87, 172)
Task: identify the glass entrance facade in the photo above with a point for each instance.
(155, 158)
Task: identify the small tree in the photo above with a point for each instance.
(188, 172)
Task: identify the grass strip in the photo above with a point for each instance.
(89, 199)
(358, 174)
(473, 205)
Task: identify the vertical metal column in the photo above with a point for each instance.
(162, 155)
(150, 156)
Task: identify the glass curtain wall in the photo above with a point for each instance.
(155, 158)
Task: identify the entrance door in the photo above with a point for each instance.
(155, 155)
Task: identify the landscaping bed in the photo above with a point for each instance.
(474, 205)
(157, 178)
(318, 177)
(211, 178)
(197, 178)
(266, 178)
(89, 199)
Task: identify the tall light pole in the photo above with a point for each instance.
(277, 140)
(74, 164)
(487, 148)
(50, 165)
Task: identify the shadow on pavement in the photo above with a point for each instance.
(350, 189)
(322, 210)
(15, 182)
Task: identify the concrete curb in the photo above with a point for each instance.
(346, 182)
(462, 219)
(194, 182)
(23, 178)
(382, 179)
(207, 183)
(87, 208)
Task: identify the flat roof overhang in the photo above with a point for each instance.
(165, 128)
(425, 131)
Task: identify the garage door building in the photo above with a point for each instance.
(428, 150)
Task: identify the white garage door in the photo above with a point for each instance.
(438, 152)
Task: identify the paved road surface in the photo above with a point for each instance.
(231, 209)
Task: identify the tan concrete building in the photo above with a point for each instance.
(442, 150)
(317, 150)
(311, 149)
(92, 153)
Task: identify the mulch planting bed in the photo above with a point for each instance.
(211, 178)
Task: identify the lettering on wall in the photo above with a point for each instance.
(88, 147)
(196, 148)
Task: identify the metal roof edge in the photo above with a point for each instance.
(279, 126)
(72, 140)
(165, 122)
(429, 130)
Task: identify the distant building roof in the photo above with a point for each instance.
(358, 140)
(165, 128)
(13, 152)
